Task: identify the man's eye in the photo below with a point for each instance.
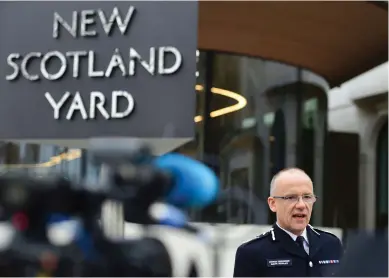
(291, 197)
(308, 197)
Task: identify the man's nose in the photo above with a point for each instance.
(300, 203)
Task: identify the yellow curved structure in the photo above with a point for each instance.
(241, 102)
(53, 161)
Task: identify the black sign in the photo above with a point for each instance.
(91, 69)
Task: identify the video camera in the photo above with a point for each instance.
(137, 179)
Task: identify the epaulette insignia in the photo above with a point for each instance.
(257, 238)
(314, 230)
(267, 233)
(263, 234)
(318, 231)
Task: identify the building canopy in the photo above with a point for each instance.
(337, 40)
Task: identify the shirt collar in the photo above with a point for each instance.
(293, 236)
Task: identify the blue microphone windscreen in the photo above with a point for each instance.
(196, 185)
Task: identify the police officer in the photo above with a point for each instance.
(292, 247)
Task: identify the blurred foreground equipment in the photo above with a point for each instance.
(77, 245)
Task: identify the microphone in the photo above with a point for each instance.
(194, 185)
(191, 183)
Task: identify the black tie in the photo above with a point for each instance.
(300, 242)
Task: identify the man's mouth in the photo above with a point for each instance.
(299, 215)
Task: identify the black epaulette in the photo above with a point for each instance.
(261, 236)
(318, 231)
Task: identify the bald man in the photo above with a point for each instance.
(292, 247)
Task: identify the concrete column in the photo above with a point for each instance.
(367, 182)
(318, 178)
(292, 114)
(262, 158)
(367, 188)
(370, 124)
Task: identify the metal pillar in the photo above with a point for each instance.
(112, 212)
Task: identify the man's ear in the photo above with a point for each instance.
(272, 204)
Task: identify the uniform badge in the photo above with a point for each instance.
(279, 262)
(329, 262)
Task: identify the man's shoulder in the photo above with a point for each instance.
(325, 234)
(257, 241)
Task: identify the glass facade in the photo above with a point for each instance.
(254, 117)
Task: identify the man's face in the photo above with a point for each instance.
(292, 215)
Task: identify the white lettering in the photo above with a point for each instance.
(99, 105)
(118, 115)
(116, 61)
(87, 19)
(23, 66)
(61, 70)
(115, 17)
(59, 21)
(97, 102)
(76, 60)
(127, 64)
(12, 64)
(57, 106)
(150, 67)
(77, 104)
(91, 66)
(161, 58)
